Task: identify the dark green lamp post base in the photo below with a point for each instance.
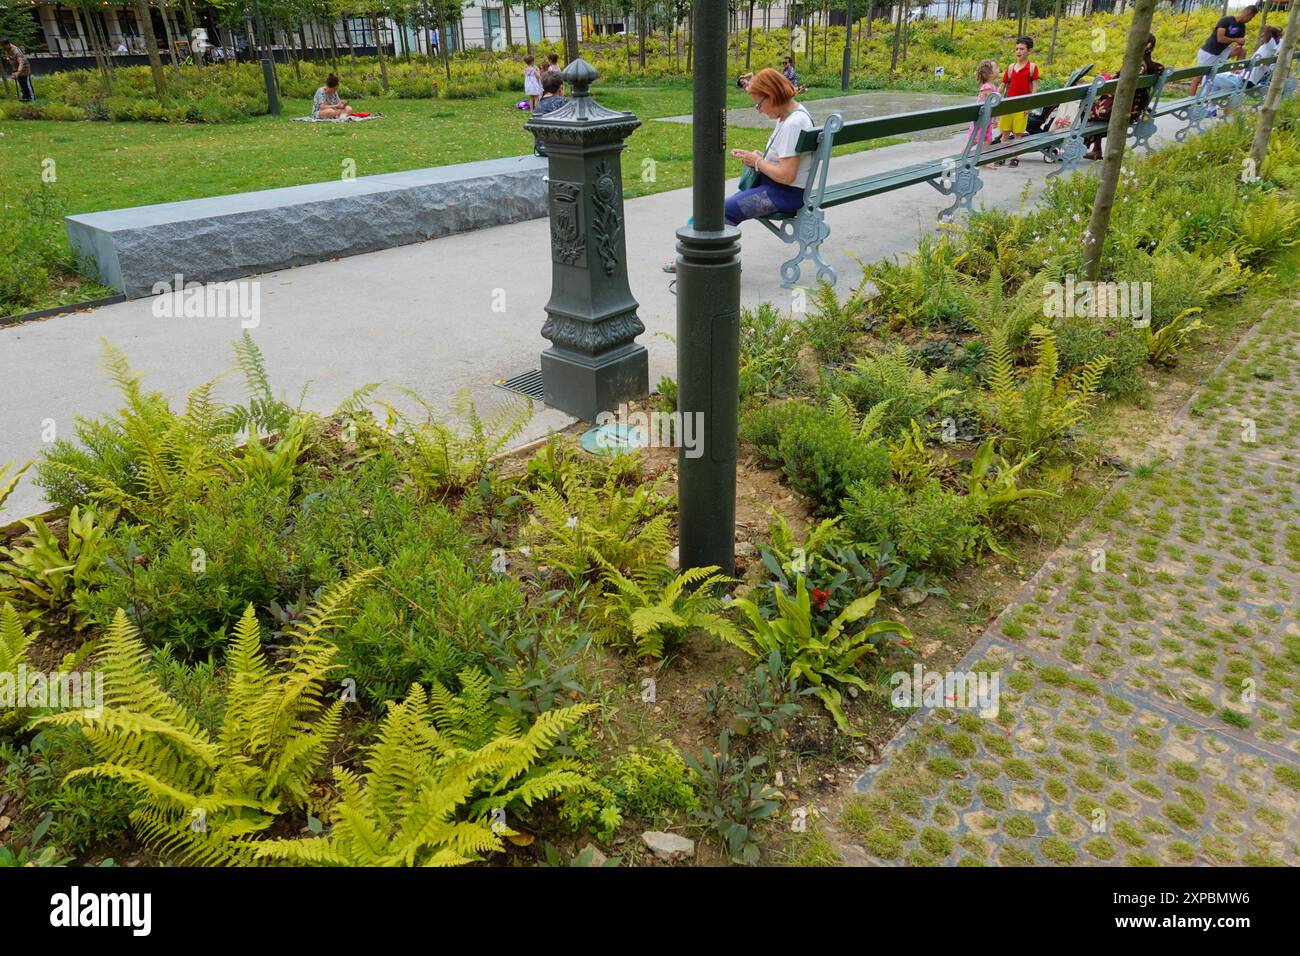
(586, 385)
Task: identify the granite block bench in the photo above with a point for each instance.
(228, 237)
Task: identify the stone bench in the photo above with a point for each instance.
(228, 237)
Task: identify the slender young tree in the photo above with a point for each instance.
(1056, 23)
(1094, 239)
(151, 47)
(1281, 70)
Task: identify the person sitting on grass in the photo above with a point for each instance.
(552, 93)
(326, 103)
(788, 71)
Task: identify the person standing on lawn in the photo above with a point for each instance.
(16, 60)
(532, 82)
(1019, 79)
(1227, 33)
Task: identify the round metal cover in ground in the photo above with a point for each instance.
(614, 438)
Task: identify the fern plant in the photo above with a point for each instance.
(431, 798)
(580, 526)
(654, 607)
(1265, 228)
(203, 799)
(833, 326)
(147, 458)
(824, 659)
(1034, 412)
(14, 641)
(48, 576)
(445, 460)
(9, 482)
(262, 412)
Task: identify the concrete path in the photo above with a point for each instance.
(1149, 673)
(437, 317)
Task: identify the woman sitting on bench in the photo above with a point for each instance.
(774, 180)
(326, 103)
(780, 172)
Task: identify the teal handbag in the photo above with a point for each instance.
(749, 178)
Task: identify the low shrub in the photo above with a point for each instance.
(822, 453)
(933, 528)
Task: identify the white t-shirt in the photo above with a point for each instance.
(1266, 49)
(785, 142)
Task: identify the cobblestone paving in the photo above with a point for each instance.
(1149, 675)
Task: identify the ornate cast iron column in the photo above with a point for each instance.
(594, 362)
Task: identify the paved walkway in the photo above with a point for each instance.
(437, 317)
(1150, 709)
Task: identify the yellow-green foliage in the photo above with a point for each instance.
(582, 523)
(427, 797)
(9, 482)
(1164, 345)
(173, 457)
(203, 800)
(48, 576)
(1267, 227)
(14, 641)
(443, 459)
(1032, 412)
(654, 606)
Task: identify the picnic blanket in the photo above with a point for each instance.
(341, 119)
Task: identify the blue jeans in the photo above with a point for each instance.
(763, 200)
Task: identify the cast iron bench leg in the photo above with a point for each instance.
(808, 229)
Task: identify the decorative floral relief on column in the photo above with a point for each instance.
(607, 225)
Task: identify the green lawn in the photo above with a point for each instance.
(111, 165)
(101, 165)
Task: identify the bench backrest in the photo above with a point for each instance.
(878, 127)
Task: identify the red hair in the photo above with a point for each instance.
(771, 84)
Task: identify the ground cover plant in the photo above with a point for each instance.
(315, 629)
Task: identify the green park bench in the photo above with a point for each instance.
(958, 175)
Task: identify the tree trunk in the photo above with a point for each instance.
(1116, 134)
(379, 50)
(505, 15)
(569, 26)
(749, 48)
(1056, 22)
(640, 37)
(443, 46)
(302, 36)
(86, 24)
(171, 37)
(334, 43)
(898, 36)
(627, 43)
(1281, 69)
(347, 37)
(151, 47)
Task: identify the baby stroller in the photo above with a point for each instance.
(1041, 120)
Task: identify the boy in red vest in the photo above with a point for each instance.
(1019, 79)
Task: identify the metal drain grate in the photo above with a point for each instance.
(526, 383)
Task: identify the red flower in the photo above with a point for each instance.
(819, 597)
